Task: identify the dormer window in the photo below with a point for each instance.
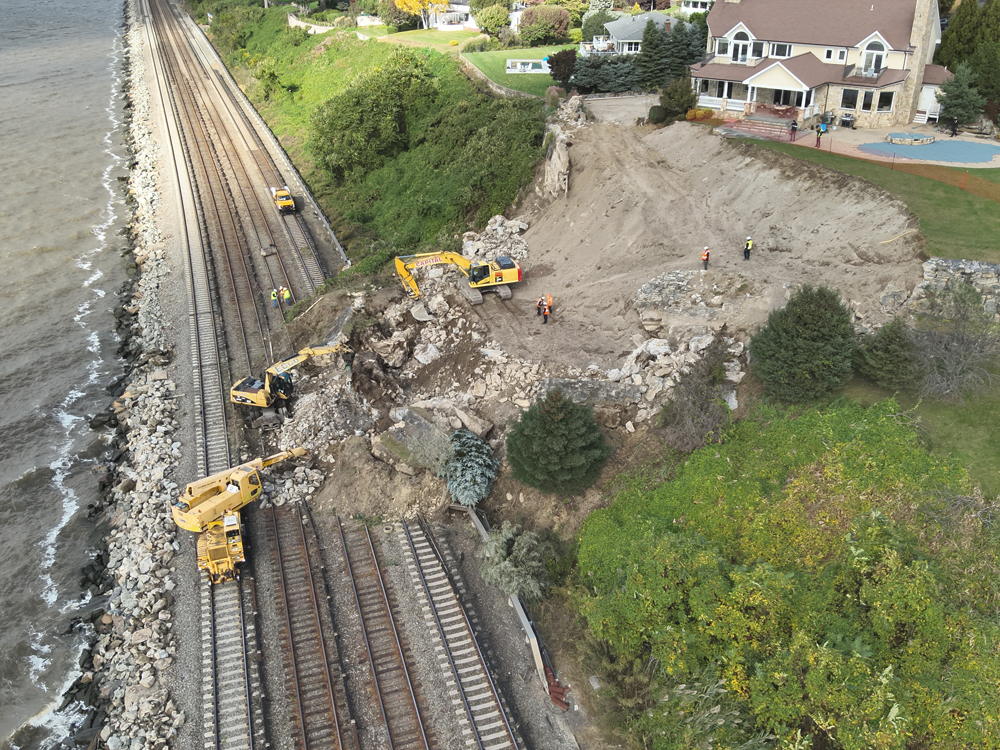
(874, 56)
(781, 50)
(741, 47)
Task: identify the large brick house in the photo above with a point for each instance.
(866, 59)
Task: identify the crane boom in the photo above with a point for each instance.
(495, 274)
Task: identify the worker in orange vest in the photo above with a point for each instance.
(548, 302)
(546, 311)
(704, 258)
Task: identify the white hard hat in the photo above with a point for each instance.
(706, 247)
(748, 237)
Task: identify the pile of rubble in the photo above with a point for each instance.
(500, 237)
(292, 487)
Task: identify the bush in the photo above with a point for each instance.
(657, 114)
(493, 18)
(483, 43)
(697, 412)
(544, 24)
(957, 345)
(556, 446)
(516, 562)
(561, 66)
(807, 347)
(553, 95)
(594, 25)
(576, 35)
(394, 16)
(509, 39)
(678, 98)
(886, 358)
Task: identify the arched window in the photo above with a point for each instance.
(741, 46)
(741, 37)
(874, 58)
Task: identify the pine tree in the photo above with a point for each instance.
(959, 98)
(806, 348)
(959, 41)
(887, 357)
(678, 98)
(516, 562)
(556, 446)
(471, 469)
(617, 74)
(678, 49)
(988, 26)
(985, 64)
(651, 62)
(593, 25)
(699, 35)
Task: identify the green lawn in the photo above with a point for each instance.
(436, 40)
(957, 224)
(494, 65)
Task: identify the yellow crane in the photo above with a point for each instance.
(210, 507)
(492, 275)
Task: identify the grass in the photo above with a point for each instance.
(439, 41)
(494, 66)
(956, 224)
(969, 432)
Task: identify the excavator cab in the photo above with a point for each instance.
(282, 385)
(478, 272)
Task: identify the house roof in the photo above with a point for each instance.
(630, 28)
(843, 23)
(935, 75)
(806, 67)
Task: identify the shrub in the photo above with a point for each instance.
(509, 39)
(576, 35)
(471, 468)
(493, 18)
(697, 412)
(553, 95)
(482, 43)
(806, 348)
(556, 446)
(657, 114)
(544, 24)
(561, 65)
(678, 98)
(956, 345)
(394, 16)
(515, 562)
(887, 357)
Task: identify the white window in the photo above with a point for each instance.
(874, 56)
(835, 54)
(722, 47)
(828, 55)
(633, 46)
(757, 49)
(781, 50)
(842, 55)
(741, 47)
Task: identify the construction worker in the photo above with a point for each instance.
(704, 258)
(287, 296)
(747, 247)
(539, 305)
(546, 311)
(274, 298)
(548, 302)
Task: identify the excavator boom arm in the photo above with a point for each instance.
(404, 263)
(287, 364)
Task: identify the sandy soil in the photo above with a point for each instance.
(641, 203)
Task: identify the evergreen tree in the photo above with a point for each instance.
(887, 357)
(556, 446)
(594, 25)
(959, 41)
(471, 469)
(699, 36)
(959, 98)
(651, 62)
(617, 74)
(515, 562)
(806, 348)
(599, 6)
(678, 49)
(988, 26)
(585, 74)
(985, 64)
(678, 98)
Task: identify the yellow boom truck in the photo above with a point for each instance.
(210, 507)
(275, 385)
(283, 199)
(491, 276)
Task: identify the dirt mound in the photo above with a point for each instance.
(640, 206)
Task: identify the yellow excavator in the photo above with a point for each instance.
(210, 508)
(276, 383)
(492, 276)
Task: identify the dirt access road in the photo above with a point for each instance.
(644, 202)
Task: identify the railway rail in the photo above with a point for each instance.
(488, 726)
(320, 707)
(392, 686)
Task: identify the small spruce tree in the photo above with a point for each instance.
(887, 357)
(806, 348)
(678, 98)
(471, 469)
(556, 446)
(515, 562)
(959, 98)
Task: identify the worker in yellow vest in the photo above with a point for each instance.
(747, 247)
(274, 298)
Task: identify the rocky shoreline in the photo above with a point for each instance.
(120, 690)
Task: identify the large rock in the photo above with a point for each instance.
(473, 423)
(594, 392)
(426, 353)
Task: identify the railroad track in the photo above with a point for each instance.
(319, 707)
(487, 726)
(392, 686)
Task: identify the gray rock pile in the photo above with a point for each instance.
(500, 237)
(296, 486)
(940, 272)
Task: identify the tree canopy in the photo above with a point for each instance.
(959, 98)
